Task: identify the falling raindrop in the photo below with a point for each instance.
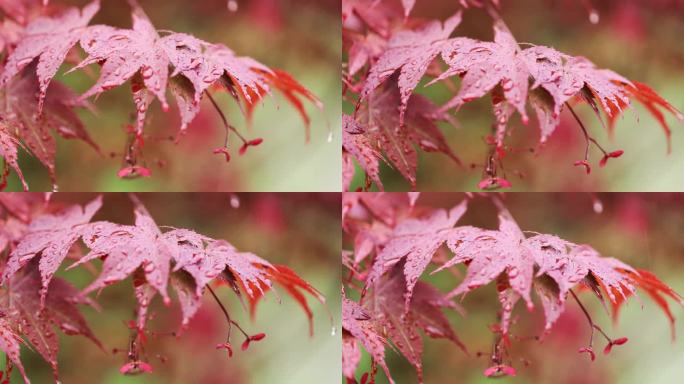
(234, 201)
(333, 331)
(232, 6)
(594, 17)
(598, 205)
(330, 136)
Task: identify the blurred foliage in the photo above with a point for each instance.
(299, 36)
(298, 230)
(643, 230)
(639, 39)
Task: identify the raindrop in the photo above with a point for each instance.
(333, 331)
(594, 17)
(232, 6)
(234, 201)
(330, 136)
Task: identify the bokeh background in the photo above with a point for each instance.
(639, 39)
(299, 36)
(301, 231)
(640, 229)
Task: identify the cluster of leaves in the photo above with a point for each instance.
(395, 241)
(388, 54)
(37, 236)
(36, 41)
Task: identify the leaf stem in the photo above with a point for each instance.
(225, 312)
(591, 322)
(587, 137)
(226, 124)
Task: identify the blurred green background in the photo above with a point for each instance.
(301, 231)
(639, 39)
(299, 36)
(643, 230)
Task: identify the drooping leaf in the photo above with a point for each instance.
(51, 236)
(425, 313)
(25, 123)
(8, 151)
(36, 318)
(415, 241)
(358, 146)
(359, 324)
(127, 248)
(10, 344)
(410, 53)
(396, 140)
(294, 285)
(49, 39)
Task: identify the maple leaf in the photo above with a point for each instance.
(127, 248)
(294, 285)
(351, 356)
(36, 318)
(490, 253)
(410, 53)
(49, 39)
(507, 256)
(415, 241)
(25, 124)
(10, 344)
(8, 151)
(124, 54)
(654, 287)
(397, 139)
(51, 236)
(486, 65)
(205, 259)
(358, 146)
(425, 313)
(359, 324)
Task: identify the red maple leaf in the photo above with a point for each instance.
(410, 53)
(10, 344)
(415, 241)
(397, 139)
(51, 236)
(49, 39)
(27, 125)
(425, 313)
(35, 317)
(359, 324)
(358, 146)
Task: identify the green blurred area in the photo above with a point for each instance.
(298, 36)
(638, 39)
(297, 230)
(643, 230)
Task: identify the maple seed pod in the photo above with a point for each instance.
(227, 347)
(256, 142)
(224, 151)
(257, 337)
(588, 350)
(584, 163)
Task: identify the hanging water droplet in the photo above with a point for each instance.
(333, 331)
